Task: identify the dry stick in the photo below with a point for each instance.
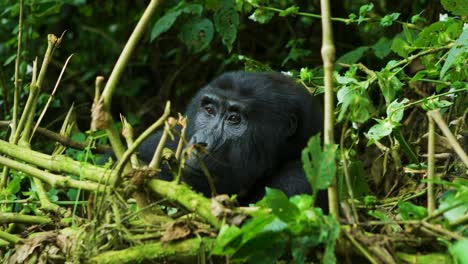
(183, 123)
(127, 132)
(431, 203)
(50, 97)
(65, 130)
(63, 140)
(118, 69)
(46, 204)
(328, 56)
(52, 42)
(150, 130)
(360, 248)
(156, 160)
(347, 176)
(435, 114)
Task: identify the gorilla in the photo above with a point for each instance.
(253, 127)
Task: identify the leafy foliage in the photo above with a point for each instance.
(293, 225)
(394, 63)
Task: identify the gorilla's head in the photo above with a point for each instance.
(248, 123)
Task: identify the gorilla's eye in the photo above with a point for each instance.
(234, 118)
(209, 110)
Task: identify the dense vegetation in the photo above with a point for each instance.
(400, 85)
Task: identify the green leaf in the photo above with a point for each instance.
(261, 16)
(306, 74)
(459, 250)
(382, 48)
(228, 240)
(166, 21)
(395, 110)
(409, 211)
(416, 18)
(401, 47)
(354, 101)
(452, 198)
(319, 166)
(295, 54)
(439, 33)
(226, 20)
(380, 130)
(458, 51)
(358, 178)
(14, 186)
(265, 248)
(280, 205)
(351, 57)
(457, 7)
(9, 60)
(388, 19)
(197, 34)
(389, 84)
(364, 9)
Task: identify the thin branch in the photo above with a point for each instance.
(435, 114)
(328, 57)
(431, 203)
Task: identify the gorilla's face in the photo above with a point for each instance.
(242, 131)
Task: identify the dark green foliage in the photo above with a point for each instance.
(292, 226)
(395, 61)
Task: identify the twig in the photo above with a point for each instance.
(51, 97)
(360, 248)
(435, 114)
(29, 112)
(127, 132)
(6, 218)
(52, 179)
(9, 237)
(442, 231)
(156, 160)
(118, 69)
(431, 203)
(149, 131)
(17, 64)
(328, 56)
(349, 188)
(57, 163)
(66, 141)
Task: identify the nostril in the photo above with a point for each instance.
(202, 144)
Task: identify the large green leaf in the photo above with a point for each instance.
(197, 34)
(458, 51)
(457, 7)
(226, 20)
(166, 22)
(319, 165)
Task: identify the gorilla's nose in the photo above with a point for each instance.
(202, 144)
(200, 141)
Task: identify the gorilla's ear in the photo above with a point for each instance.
(292, 125)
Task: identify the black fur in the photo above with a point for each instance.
(254, 127)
